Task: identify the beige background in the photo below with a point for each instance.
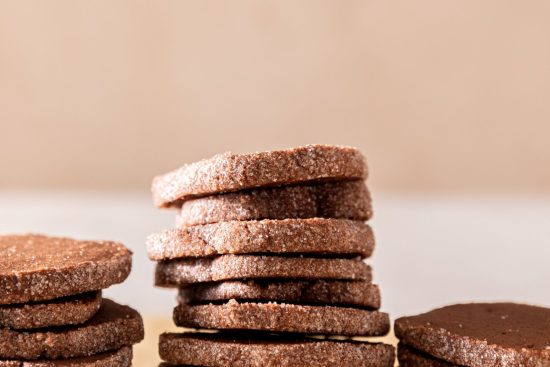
(449, 99)
(441, 95)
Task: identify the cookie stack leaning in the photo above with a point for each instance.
(51, 308)
(268, 251)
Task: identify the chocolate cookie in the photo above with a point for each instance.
(305, 236)
(233, 172)
(280, 317)
(118, 358)
(73, 310)
(228, 350)
(410, 357)
(341, 200)
(113, 327)
(327, 292)
(481, 335)
(38, 268)
(235, 267)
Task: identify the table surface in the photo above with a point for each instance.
(431, 250)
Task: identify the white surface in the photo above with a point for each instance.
(430, 250)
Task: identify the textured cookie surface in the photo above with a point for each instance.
(73, 310)
(235, 267)
(227, 350)
(113, 327)
(343, 200)
(118, 358)
(280, 317)
(306, 236)
(410, 357)
(482, 334)
(233, 172)
(39, 268)
(329, 292)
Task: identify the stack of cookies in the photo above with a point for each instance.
(476, 335)
(268, 252)
(51, 309)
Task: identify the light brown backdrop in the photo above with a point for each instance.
(441, 95)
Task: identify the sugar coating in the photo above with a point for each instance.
(306, 236)
(342, 199)
(226, 351)
(329, 292)
(229, 172)
(40, 268)
(73, 310)
(233, 267)
(113, 327)
(409, 357)
(281, 317)
(118, 358)
(481, 334)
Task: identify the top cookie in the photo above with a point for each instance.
(229, 172)
(481, 334)
(39, 268)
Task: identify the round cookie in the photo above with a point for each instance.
(118, 358)
(113, 327)
(341, 200)
(228, 350)
(36, 268)
(409, 357)
(303, 236)
(481, 334)
(280, 317)
(73, 310)
(233, 172)
(327, 292)
(234, 267)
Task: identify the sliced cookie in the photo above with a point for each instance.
(481, 334)
(341, 200)
(328, 292)
(228, 350)
(304, 236)
(238, 267)
(73, 310)
(410, 357)
(118, 358)
(113, 327)
(280, 317)
(37, 268)
(233, 172)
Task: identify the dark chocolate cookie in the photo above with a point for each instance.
(236, 267)
(301, 236)
(316, 292)
(114, 326)
(281, 317)
(233, 172)
(72, 310)
(37, 268)
(481, 334)
(340, 200)
(228, 350)
(118, 358)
